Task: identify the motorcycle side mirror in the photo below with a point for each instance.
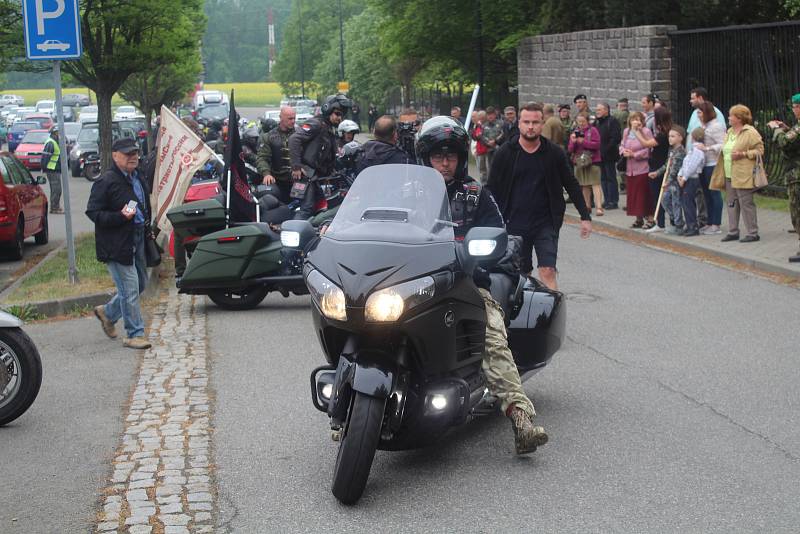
(484, 246)
(296, 234)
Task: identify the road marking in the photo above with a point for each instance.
(163, 479)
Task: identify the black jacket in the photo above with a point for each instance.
(113, 232)
(510, 132)
(312, 147)
(380, 153)
(558, 177)
(610, 138)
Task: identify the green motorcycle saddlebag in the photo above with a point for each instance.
(229, 256)
(198, 217)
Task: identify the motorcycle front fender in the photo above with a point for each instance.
(365, 377)
(9, 321)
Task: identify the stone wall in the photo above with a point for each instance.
(603, 64)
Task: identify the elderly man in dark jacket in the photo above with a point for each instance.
(528, 179)
(610, 138)
(383, 149)
(119, 205)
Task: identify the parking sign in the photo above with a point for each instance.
(52, 29)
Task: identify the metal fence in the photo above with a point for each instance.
(431, 101)
(758, 66)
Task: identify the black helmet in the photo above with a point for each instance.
(268, 125)
(447, 134)
(250, 138)
(338, 101)
(54, 129)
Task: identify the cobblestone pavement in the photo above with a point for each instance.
(162, 479)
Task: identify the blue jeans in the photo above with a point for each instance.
(130, 281)
(608, 179)
(713, 198)
(689, 203)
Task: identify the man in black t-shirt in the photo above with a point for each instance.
(527, 180)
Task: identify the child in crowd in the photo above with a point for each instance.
(671, 199)
(689, 180)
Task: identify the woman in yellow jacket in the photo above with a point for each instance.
(734, 173)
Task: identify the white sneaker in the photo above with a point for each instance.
(654, 229)
(711, 230)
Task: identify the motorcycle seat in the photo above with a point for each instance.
(263, 227)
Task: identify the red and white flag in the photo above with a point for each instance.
(180, 154)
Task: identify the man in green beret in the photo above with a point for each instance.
(788, 139)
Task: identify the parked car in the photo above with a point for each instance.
(126, 112)
(29, 150)
(139, 126)
(212, 112)
(274, 114)
(6, 100)
(74, 100)
(25, 207)
(45, 121)
(303, 114)
(88, 114)
(17, 132)
(88, 143)
(71, 131)
(46, 106)
(22, 112)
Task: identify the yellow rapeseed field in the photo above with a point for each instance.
(247, 94)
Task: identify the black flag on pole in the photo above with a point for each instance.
(242, 207)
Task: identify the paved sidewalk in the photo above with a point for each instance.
(771, 253)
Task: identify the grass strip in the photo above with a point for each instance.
(51, 280)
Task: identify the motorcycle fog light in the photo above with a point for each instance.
(384, 307)
(481, 247)
(439, 402)
(290, 239)
(327, 391)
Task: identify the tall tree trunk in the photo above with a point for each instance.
(104, 96)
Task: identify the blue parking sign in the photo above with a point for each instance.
(52, 29)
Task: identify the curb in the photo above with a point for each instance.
(10, 289)
(761, 265)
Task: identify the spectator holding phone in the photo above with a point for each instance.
(119, 205)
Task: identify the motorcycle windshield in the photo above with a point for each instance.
(395, 203)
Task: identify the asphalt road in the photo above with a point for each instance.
(671, 408)
(56, 456)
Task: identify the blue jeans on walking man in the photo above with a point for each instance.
(130, 281)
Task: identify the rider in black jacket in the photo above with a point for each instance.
(383, 149)
(443, 144)
(312, 149)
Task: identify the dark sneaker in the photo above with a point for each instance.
(108, 326)
(526, 436)
(136, 343)
(730, 237)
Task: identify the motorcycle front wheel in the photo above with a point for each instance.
(357, 448)
(245, 299)
(20, 373)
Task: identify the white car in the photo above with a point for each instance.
(88, 114)
(124, 113)
(205, 98)
(53, 44)
(274, 114)
(46, 106)
(11, 100)
(21, 113)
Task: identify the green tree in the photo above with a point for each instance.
(366, 68)
(163, 85)
(121, 38)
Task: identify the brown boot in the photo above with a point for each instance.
(136, 343)
(526, 436)
(108, 326)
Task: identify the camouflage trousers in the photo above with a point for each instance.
(793, 187)
(498, 364)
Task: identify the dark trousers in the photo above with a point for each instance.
(655, 189)
(54, 178)
(689, 201)
(608, 179)
(306, 210)
(713, 198)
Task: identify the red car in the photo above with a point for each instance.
(29, 150)
(45, 121)
(23, 207)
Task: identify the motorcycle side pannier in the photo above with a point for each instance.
(198, 217)
(538, 331)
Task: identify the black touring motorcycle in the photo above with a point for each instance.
(401, 321)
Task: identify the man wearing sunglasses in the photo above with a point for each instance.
(312, 151)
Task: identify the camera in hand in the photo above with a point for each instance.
(578, 132)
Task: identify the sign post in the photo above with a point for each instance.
(55, 34)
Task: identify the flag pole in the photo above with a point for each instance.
(228, 201)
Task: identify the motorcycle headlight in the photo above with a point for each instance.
(327, 295)
(387, 305)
